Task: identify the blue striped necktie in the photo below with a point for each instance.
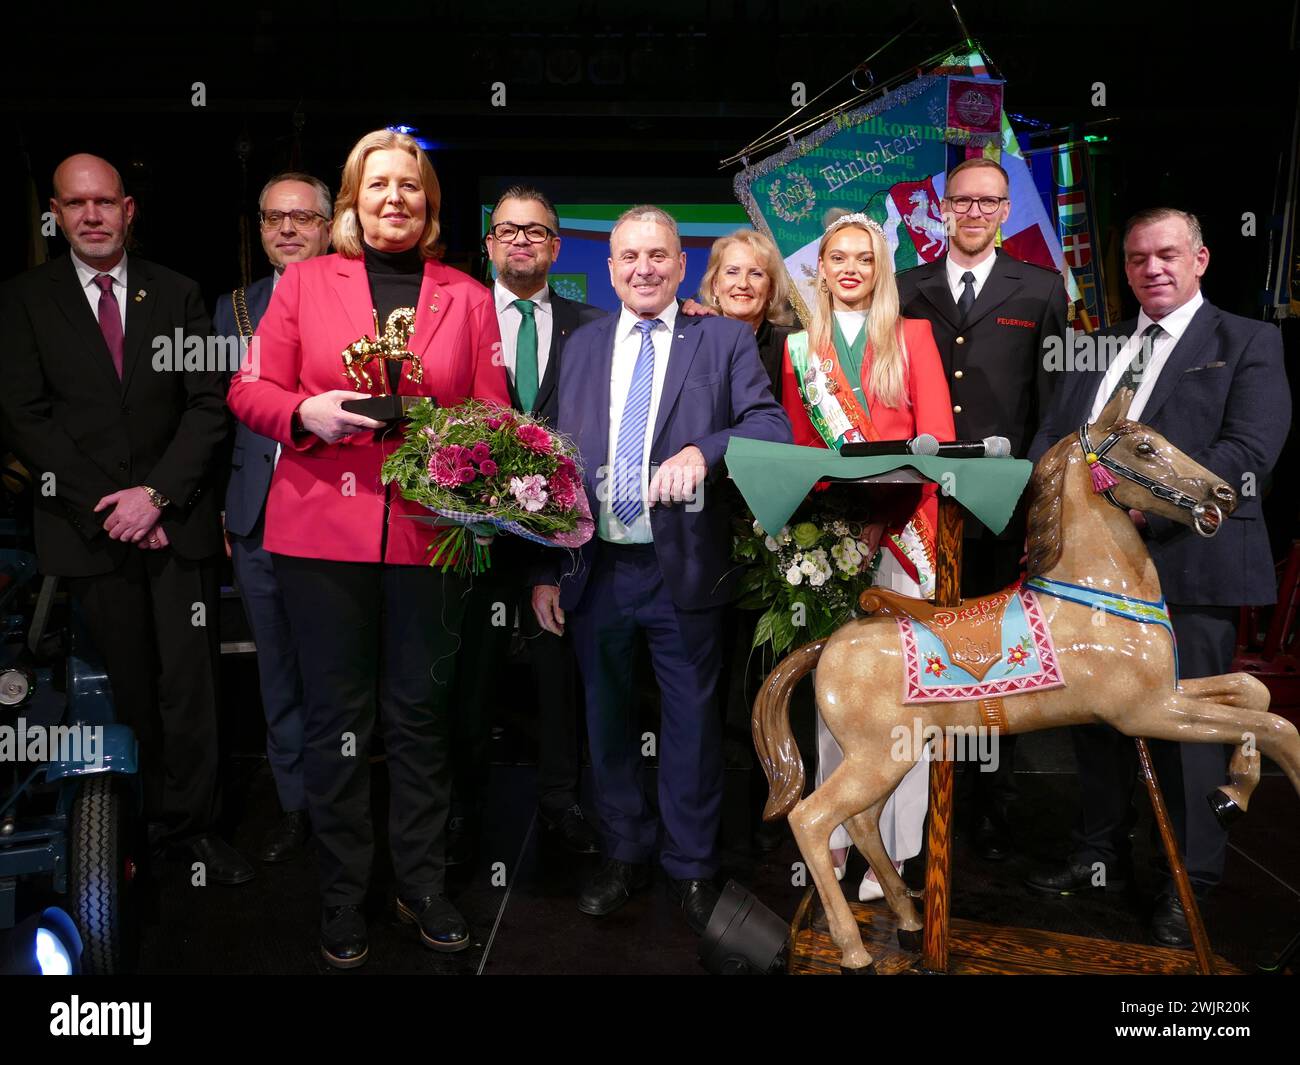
(631, 429)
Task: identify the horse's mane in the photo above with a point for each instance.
(1043, 535)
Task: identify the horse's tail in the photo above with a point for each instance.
(772, 736)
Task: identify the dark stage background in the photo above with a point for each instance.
(640, 105)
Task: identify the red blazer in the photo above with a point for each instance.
(326, 500)
(930, 410)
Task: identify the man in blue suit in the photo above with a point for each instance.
(1214, 385)
(652, 398)
(294, 213)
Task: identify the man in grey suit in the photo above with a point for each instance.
(294, 213)
(1213, 384)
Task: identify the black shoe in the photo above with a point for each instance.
(1169, 923)
(343, 936)
(612, 886)
(441, 926)
(572, 829)
(285, 840)
(462, 841)
(992, 841)
(1071, 877)
(221, 862)
(697, 899)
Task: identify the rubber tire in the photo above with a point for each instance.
(99, 891)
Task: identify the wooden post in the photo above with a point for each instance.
(938, 843)
(1200, 941)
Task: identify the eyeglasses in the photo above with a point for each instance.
(988, 204)
(301, 219)
(534, 232)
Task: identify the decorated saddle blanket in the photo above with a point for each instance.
(990, 647)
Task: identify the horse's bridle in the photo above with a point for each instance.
(1206, 516)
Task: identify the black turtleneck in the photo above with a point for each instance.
(395, 278)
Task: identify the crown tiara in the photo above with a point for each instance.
(857, 218)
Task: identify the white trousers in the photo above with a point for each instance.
(903, 818)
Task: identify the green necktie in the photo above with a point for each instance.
(526, 356)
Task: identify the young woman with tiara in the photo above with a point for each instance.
(863, 372)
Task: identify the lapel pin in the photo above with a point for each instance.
(434, 305)
(140, 295)
(681, 336)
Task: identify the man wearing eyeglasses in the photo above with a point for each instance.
(523, 243)
(294, 212)
(993, 318)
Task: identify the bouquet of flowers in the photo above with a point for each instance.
(808, 576)
(484, 470)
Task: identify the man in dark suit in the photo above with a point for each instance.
(648, 388)
(294, 212)
(1214, 385)
(536, 323)
(994, 318)
(122, 438)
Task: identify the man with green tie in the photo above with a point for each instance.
(523, 243)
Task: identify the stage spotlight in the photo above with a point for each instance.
(45, 944)
(414, 133)
(744, 937)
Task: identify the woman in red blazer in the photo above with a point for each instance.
(377, 628)
(862, 372)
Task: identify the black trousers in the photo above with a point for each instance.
(989, 565)
(154, 621)
(375, 641)
(1108, 769)
(480, 677)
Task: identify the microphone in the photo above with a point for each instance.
(991, 447)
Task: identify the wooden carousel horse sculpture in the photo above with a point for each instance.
(1097, 625)
(391, 344)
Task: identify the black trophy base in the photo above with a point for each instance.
(387, 409)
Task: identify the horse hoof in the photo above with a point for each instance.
(910, 941)
(1227, 811)
(866, 970)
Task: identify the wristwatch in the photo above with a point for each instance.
(156, 497)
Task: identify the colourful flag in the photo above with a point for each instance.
(916, 204)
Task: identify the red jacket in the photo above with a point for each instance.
(930, 410)
(326, 500)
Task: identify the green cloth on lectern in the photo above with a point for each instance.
(776, 478)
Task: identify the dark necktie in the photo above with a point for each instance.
(967, 300)
(1131, 378)
(526, 356)
(110, 320)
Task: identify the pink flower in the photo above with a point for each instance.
(564, 487)
(536, 439)
(530, 491)
(466, 474)
(447, 466)
(496, 421)
(481, 452)
(487, 468)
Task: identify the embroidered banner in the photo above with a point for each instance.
(1024, 658)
